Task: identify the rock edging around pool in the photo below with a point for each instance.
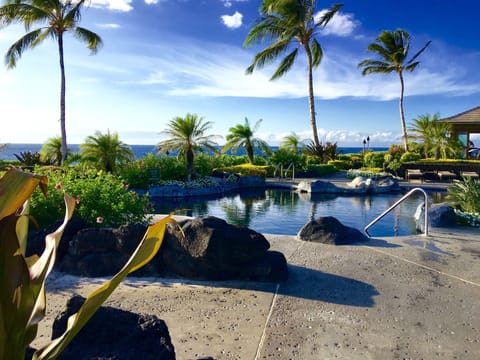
(204, 249)
(359, 185)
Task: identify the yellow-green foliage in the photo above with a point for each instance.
(22, 279)
(249, 170)
(341, 164)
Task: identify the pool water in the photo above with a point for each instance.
(277, 211)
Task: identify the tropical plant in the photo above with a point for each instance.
(105, 151)
(290, 24)
(323, 152)
(28, 158)
(51, 151)
(392, 47)
(466, 193)
(292, 142)
(56, 17)
(22, 279)
(186, 136)
(242, 136)
(435, 136)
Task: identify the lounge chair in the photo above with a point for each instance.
(414, 174)
(446, 175)
(469, 174)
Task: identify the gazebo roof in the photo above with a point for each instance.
(469, 117)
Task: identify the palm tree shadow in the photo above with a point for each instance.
(378, 243)
(310, 284)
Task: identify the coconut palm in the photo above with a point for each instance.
(242, 136)
(55, 18)
(392, 47)
(290, 25)
(292, 142)
(186, 136)
(105, 150)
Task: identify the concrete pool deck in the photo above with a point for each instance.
(410, 297)
(389, 298)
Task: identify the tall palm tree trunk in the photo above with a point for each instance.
(311, 98)
(63, 130)
(249, 149)
(189, 156)
(402, 115)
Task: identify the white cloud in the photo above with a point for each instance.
(117, 5)
(341, 24)
(229, 3)
(151, 2)
(232, 21)
(108, 26)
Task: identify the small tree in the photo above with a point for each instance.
(105, 150)
(186, 136)
(242, 136)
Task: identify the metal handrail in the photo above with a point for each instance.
(425, 204)
(291, 165)
(279, 165)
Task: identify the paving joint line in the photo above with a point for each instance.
(424, 266)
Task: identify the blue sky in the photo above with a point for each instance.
(165, 58)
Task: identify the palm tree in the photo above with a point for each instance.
(187, 135)
(57, 18)
(241, 136)
(290, 24)
(435, 135)
(392, 47)
(51, 151)
(105, 150)
(292, 142)
(421, 129)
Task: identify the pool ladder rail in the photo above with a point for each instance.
(403, 198)
(284, 173)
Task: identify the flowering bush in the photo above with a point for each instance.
(103, 199)
(467, 219)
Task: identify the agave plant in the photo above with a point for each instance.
(22, 279)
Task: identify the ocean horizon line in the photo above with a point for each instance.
(8, 153)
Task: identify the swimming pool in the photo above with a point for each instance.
(278, 211)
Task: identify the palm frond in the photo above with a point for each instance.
(419, 53)
(15, 51)
(285, 65)
(94, 42)
(268, 55)
(317, 52)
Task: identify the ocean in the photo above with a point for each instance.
(139, 150)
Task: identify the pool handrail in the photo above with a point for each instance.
(425, 204)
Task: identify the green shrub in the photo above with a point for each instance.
(341, 164)
(409, 157)
(374, 159)
(321, 169)
(249, 170)
(103, 198)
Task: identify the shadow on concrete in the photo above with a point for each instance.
(310, 284)
(378, 243)
(317, 285)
